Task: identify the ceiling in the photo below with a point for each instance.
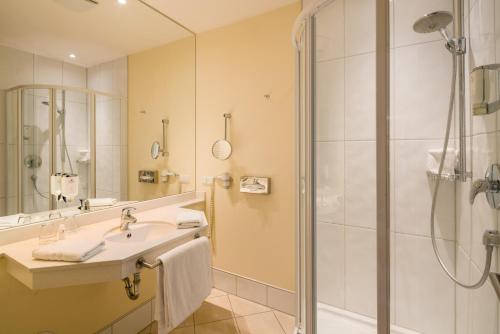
(203, 15)
(109, 30)
(94, 33)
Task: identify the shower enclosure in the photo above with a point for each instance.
(58, 129)
(381, 248)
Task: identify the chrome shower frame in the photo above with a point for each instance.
(304, 42)
(52, 134)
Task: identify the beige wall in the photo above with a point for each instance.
(162, 83)
(236, 66)
(81, 309)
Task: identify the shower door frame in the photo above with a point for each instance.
(305, 169)
(52, 94)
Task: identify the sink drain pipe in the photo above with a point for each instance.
(132, 288)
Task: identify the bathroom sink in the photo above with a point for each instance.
(140, 232)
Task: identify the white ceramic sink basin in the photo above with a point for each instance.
(139, 232)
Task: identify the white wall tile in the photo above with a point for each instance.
(104, 168)
(360, 184)
(330, 100)
(462, 294)
(330, 31)
(361, 271)
(359, 26)
(48, 71)
(74, 75)
(413, 192)
(331, 265)
(224, 281)
(425, 296)
(422, 87)
(483, 306)
(251, 290)
(330, 182)
(281, 300)
(16, 67)
(484, 153)
(360, 97)
(406, 14)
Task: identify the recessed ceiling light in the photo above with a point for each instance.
(122, 2)
(72, 56)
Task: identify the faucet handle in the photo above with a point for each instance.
(490, 185)
(127, 212)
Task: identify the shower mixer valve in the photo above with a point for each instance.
(490, 186)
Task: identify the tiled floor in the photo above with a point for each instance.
(222, 313)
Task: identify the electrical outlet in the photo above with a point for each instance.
(207, 180)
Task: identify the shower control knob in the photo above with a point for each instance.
(490, 186)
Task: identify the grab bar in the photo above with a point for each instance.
(141, 262)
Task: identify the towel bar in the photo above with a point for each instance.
(141, 263)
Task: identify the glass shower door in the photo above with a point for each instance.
(34, 142)
(345, 167)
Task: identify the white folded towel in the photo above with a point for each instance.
(189, 219)
(184, 281)
(95, 202)
(434, 158)
(70, 250)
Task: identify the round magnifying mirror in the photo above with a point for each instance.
(222, 149)
(155, 150)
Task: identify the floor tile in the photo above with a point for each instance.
(217, 293)
(242, 307)
(188, 322)
(184, 330)
(259, 324)
(286, 321)
(218, 327)
(214, 309)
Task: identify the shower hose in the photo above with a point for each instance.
(489, 249)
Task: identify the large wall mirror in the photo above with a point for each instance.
(80, 107)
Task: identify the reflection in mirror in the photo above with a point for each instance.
(80, 107)
(155, 150)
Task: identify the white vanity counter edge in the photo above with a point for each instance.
(116, 261)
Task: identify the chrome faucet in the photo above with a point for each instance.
(490, 185)
(84, 205)
(127, 218)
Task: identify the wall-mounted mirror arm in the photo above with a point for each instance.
(156, 148)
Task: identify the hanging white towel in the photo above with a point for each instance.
(184, 281)
(189, 219)
(70, 250)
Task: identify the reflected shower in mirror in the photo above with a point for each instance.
(80, 107)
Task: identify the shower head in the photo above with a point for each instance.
(59, 111)
(432, 22)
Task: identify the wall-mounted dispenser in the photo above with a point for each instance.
(148, 176)
(485, 89)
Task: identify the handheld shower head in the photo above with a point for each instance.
(432, 22)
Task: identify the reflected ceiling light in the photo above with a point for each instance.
(72, 56)
(122, 2)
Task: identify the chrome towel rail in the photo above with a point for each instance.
(141, 262)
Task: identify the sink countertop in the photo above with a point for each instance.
(116, 261)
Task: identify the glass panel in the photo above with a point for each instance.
(72, 146)
(35, 162)
(345, 161)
